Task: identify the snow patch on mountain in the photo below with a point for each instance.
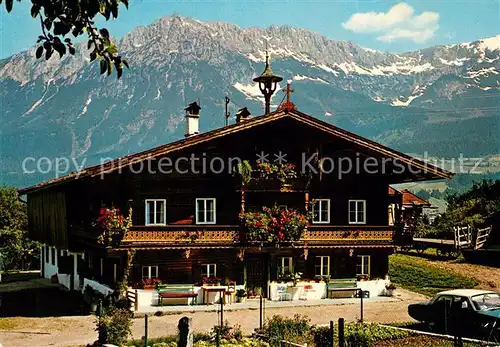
(491, 43)
(304, 78)
(399, 102)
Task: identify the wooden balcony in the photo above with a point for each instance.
(231, 235)
(182, 235)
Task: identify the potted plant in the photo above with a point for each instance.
(390, 288)
(241, 295)
(296, 277)
(150, 283)
(362, 278)
(112, 225)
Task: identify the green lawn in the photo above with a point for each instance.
(418, 275)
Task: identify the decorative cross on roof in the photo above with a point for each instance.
(287, 105)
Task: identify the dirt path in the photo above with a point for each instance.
(75, 331)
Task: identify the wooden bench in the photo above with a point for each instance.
(175, 291)
(341, 288)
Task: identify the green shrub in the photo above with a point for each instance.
(321, 336)
(227, 332)
(296, 330)
(113, 326)
(359, 338)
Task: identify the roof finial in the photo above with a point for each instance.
(267, 53)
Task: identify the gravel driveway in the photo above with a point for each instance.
(75, 331)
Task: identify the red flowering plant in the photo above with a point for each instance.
(274, 225)
(112, 225)
(149, 282)
(211, 280)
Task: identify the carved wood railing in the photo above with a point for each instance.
(182, 234)
(232, 234)
(341, 234)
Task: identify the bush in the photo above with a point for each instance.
(227, 332)
(296, 330)
(359, 338)
(321, 336)
(114, 325)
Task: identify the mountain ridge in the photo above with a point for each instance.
(442, 98)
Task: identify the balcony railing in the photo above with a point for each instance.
(176, 234)
(234, 235)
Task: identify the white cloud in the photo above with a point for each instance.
(400, 22)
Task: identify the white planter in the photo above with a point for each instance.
(389, 292)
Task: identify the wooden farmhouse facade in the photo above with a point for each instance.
(189, 200)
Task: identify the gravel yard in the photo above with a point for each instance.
(74, 331)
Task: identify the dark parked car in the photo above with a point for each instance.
(477, 312)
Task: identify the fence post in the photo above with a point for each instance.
(361, 295)
(136, 301)
(221, 310)
(341, 332)
(217, 338)
(260, 313)
(146, 330)
(332, 335)
(185, 332)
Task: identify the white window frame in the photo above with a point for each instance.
(363, 259)
(356, 214)
(208, 273)
(149, 274)
(115, 273)
(320, 201)
(322, 265)
(164, 201)
(205, 214)
(283, 260)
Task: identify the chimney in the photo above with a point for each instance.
(242, 115)
(192, 119)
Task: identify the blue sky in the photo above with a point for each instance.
(383, 25)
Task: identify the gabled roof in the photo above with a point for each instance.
(108, 167)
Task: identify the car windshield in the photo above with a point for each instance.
(486, 301)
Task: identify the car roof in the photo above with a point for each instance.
(465, 292)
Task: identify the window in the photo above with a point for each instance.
(53, 255)
(205, 211)
(208, 270)
(285, 266)
(47, 254)
(155, 211)
(150, 272)
(322, 266)
(363, 265)
(321, 211)
(357, 211)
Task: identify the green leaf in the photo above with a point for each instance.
(93, 55)
(125, 63)
(9, 4)
(60, 48)
(114, 9)
(39, 52)
(104, 33)
(119, 72)
(110, 68)
(48, 53)
(71, 50)
(34, 11)
(104, 66)
(125, 2)
(112, 49)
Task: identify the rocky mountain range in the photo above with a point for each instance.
(443, 99)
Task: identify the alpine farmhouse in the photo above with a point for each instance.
(265, 201)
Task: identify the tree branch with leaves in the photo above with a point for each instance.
(60, 18)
